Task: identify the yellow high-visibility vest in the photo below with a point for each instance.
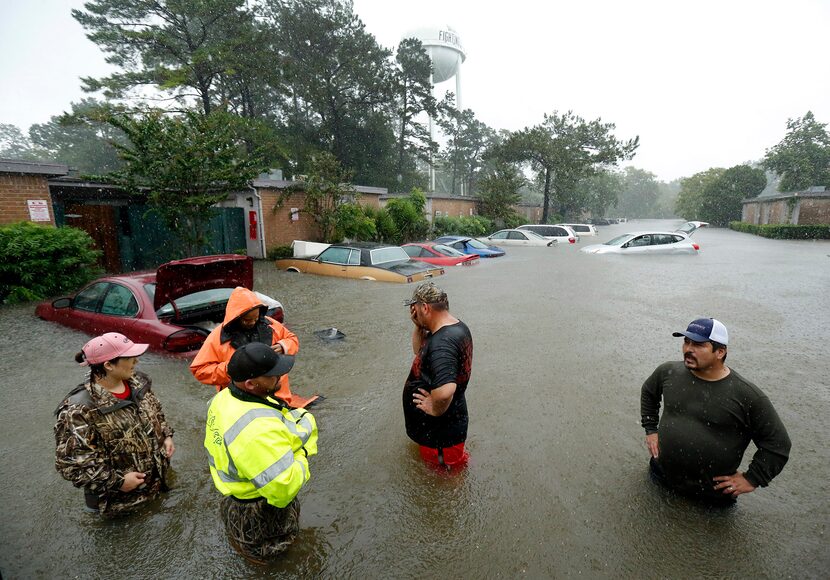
(258, 450)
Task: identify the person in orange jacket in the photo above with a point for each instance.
(245, 322)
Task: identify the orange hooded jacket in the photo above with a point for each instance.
(211, 363)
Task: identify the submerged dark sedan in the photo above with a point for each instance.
(364, 262)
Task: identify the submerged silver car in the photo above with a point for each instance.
(646, 243)
(676, 242)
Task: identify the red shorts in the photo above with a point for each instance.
(450, 457)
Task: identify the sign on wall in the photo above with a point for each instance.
(295, 214)
(38, 210)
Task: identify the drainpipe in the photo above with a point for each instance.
(260, 222)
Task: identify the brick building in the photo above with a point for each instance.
(810, 207)
(24, 191)
(279, 216)
(440, 204)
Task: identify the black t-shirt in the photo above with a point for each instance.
(445, 357)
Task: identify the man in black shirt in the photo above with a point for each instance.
(710, 414)
(434, 403)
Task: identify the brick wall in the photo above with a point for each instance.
(814, 211)
(454, 207)
(532, 214)
(777, 212)
(15, 190)
(750, 213)
(279, 227)
(369, 200)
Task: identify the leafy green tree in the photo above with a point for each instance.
(596, 193)
(468, 142)
(340, 86)
(721, 198)
(15, 145)
(181, 47)
(802, 158)
(330, 200)
(563, 149)
(413, 99)
(498, 192)
(667, 198)
(639, 193)
(82, 139)
(185, 165)
(690, 199)
(408, 215)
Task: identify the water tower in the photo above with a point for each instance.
(443, 45)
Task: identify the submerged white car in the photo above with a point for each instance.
(646, 243)
(518, 238)
(676, 242)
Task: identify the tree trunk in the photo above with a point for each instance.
(546, 204)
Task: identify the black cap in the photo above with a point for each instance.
(257, 360)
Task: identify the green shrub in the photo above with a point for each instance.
(407, 213)
(37, 261)
(278, 252)
(354, 223)
(515, 220)
(474, 225)
(385, 228)
(784, 231)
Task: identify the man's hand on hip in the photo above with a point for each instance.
(734, 484)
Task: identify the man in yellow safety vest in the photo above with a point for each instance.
(258, 452)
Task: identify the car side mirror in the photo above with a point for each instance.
(625, 245)
(62, 303)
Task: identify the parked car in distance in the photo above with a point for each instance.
(560, 233)
(363, 261)
(519, 238)
(646, 243)
(172, 309)
(601, 221)
(582, 229)
(439, 254)
(467, 245)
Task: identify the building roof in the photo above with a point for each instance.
(32, 167)
(812, 193)
(283, 183)
(432, 195)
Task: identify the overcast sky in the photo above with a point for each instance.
(704, 84)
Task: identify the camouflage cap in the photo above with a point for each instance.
(427, 293)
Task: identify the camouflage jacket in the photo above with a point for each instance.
(99, 438)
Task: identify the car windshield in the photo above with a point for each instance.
(191, 302)
(447, 251)
(477, 245)
(533, 235)
(618, 241)
(390, 254)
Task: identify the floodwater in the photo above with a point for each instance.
(557, 485)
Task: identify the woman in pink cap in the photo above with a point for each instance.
(111, 435)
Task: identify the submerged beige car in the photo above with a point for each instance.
(364, 262)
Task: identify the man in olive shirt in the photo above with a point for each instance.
(710, 414)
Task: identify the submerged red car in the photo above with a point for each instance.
(439, 254)
(172, 309)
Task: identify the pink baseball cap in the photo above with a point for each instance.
(109, 346)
